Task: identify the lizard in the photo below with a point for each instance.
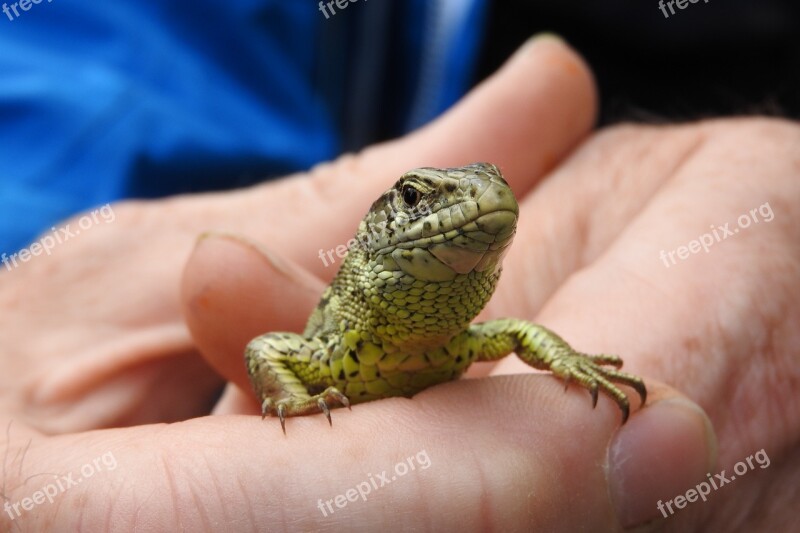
(397, 317)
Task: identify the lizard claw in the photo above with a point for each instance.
(593, 392)
(293, 405)
(325, 409)
(266, 406)
(623, 406)
(282, 415)
(589, 372)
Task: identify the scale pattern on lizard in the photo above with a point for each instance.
(396, 319)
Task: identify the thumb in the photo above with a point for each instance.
(525, 118)
(467, 456)
(234, 290)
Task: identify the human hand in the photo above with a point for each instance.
(627, 271)
(600, 222)
(115, 353)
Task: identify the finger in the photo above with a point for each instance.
(442, 461)
(701, 321)
(583, 205)
(610, 181)
(233, 290)
(524, 118)
(622, 279)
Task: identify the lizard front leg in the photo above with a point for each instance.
(545, 350)
(283, 367)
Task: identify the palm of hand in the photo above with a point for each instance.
(716, 325)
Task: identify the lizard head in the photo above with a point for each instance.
(435, 224)
(428, 257)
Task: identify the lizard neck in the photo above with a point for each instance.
(374, 296)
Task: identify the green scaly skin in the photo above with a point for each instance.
(396, 319)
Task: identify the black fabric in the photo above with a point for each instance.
(714, 58)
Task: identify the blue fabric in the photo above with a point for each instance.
(101, 101)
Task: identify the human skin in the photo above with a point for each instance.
(96, 356)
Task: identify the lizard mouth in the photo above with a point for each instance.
(478, 246)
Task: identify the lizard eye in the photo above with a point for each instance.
(411, 196)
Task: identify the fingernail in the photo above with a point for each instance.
(542, 37)
(539, 38)
(667, 449)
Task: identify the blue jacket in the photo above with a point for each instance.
(102, 101)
